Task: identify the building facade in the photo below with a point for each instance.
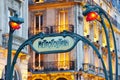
(7, 9)
(82, 63)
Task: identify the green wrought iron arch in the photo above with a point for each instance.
(75, 36)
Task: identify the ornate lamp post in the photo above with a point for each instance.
(14, 24)
(101, 12)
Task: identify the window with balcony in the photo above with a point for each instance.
(86, 54)
(38, 23)
(63, 61)
(63, 58)
(63, 20)
(38, 58)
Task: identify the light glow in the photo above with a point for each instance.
(91, 16)
(14, 25)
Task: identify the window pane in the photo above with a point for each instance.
(41, 20)
(37, 22)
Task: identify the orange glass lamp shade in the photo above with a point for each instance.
(14, 25)
(91, 16)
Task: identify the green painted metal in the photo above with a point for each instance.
(101, 12)
(9, 54)
(18, 20)
(113, 35)
(76, 37)
(108, 46)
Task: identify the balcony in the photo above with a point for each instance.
(99, 71)
(52, 66)
(52, 29)
(89, 68)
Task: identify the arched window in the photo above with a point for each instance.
(61, 79)
(38, 79)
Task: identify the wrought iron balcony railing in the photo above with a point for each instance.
(51, 66)
(99, 71)
(52, 29)
(88, 68)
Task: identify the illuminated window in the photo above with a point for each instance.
(38, 1)
(39, 60)
(63, 20)
(63, 58)
(96, 31)
(86, 27)
(104, 43)
(38, 20)
(86, 54)
(111, 42)
(61, 79)
(101, 4)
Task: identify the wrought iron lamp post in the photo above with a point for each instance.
(14, 24)
(101, 12)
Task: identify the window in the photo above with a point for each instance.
(63, 58)
(39, 61)
(38, 79)
(104, 43)
(38, 23)
(61, 79)
(63, 20)
(38, 1)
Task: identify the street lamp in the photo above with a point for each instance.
(101, 12)
(14, 24)
(91, 16)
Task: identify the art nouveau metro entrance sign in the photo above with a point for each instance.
(54, 43)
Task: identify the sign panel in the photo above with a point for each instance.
(53, 44)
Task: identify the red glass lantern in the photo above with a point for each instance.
(14, 25)
(91, 16)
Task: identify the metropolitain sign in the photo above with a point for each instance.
(54, 43)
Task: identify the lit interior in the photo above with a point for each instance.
(63, 21)
(96, 32)
(86, 27)
(104, 43)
